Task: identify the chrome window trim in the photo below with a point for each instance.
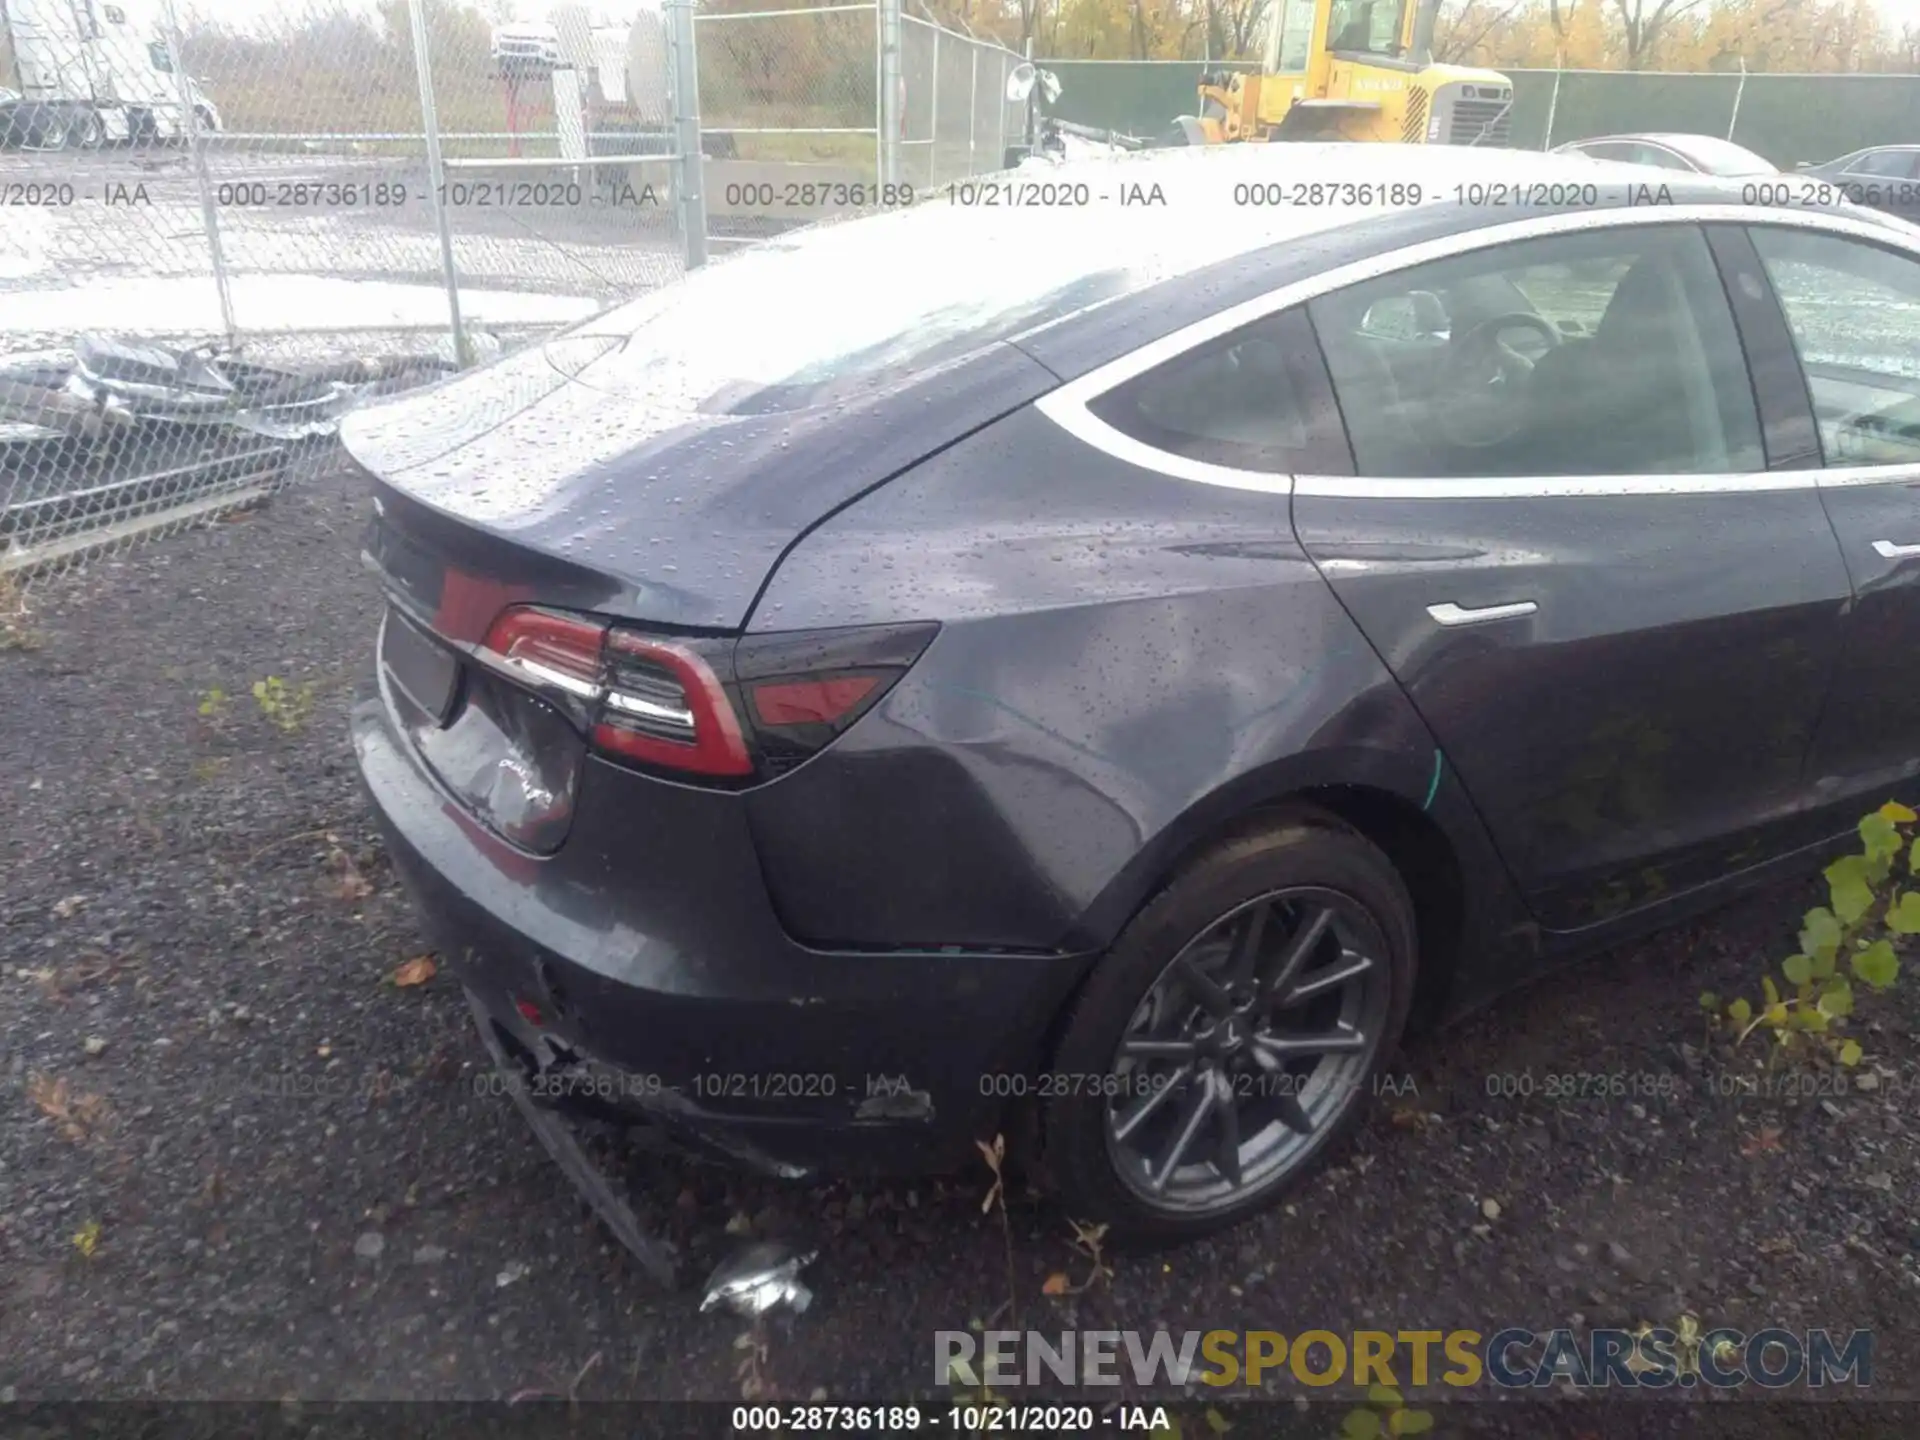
(1519, 487)
(1842, 476)
(1067, 406)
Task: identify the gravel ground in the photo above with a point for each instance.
(238, 1162)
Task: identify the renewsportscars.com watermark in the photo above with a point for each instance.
(1649, 1358)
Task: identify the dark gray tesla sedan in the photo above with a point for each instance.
(1097, 663)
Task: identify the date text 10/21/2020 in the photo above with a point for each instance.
(1659, 1085)
(603, 1084)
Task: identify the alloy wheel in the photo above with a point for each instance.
(1247, 1049)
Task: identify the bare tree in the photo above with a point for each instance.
(1641, 26)
(1467, 27)
(1233, 27)
(1031, 13)
(1905, 51)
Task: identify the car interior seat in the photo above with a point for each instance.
(1620, 401)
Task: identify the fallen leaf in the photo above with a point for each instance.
(77, 1114)
(1056, 1284)
(87, 1238)
(1766, 1140)
(416, 971)
(347, 882)
(1490, 1208)
(65, 908)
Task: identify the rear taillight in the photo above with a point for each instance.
(804, 690)
(665, 706)
(549, 649)
(721, 709)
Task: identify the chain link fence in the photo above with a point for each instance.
(958, 120)
(229, 226)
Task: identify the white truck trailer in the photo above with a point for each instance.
(94, 71)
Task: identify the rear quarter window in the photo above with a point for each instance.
(1257, 399)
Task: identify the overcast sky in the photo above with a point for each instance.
(1899, 12)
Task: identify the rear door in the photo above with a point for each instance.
(1568, 545)
(1852, 306)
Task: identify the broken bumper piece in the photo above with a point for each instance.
(115, 428)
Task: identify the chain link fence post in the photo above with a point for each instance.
(683, 84)
(1553, 106)
(891, 117)
(1733, 120)
(933, 115)
(973, 112)
(437, 177)
(197, 147)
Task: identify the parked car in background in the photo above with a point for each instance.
(1700, 154)
(1105, 697)
(1886, 177)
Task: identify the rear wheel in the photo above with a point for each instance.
(87, 132)
(1237, 1029)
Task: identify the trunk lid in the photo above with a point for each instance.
(662, 456)
(560, 474)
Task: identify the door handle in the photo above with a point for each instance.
(1452, 614)
(1887, 550)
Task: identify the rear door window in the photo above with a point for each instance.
(1606, 352)
(1884, 164)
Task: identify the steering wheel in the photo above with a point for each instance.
(1482, 398)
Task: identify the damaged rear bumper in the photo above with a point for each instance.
(642, 971)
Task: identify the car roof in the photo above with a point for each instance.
(1219, 201)
(1242, 251)
(1674, 139)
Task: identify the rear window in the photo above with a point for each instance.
(1255, 399)
(823, 314)
(1722, 157)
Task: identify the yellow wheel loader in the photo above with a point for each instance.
(1351, 70)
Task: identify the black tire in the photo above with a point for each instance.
(1296, 865)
